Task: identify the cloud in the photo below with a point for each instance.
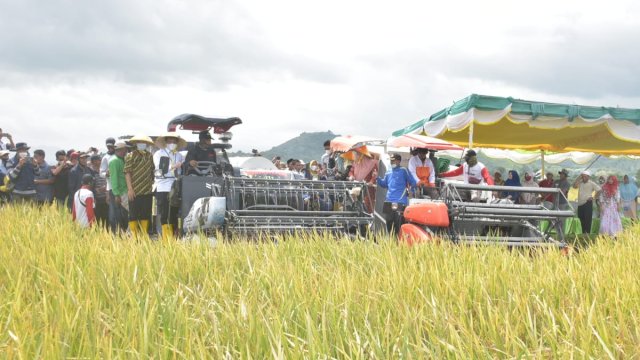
(73, 73)
(154, 42)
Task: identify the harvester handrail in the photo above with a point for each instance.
(539, 190)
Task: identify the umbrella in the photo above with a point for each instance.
(422, 141)
(346, 143)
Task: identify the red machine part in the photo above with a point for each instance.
(433, 214)
(411, 234)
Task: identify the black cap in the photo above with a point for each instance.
(204, 135)
(396, 157)
(470, 153)
(95, 157)
(22, 145)
(110, 141)
(87, 179)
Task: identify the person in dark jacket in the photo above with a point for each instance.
(76, 174)
(61, 177)
(23, 170)
(202, 151)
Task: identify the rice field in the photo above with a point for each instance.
(72, 293)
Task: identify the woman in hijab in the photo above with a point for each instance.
(526, 197)
(610, 222)
(628, 193)
(513, 179)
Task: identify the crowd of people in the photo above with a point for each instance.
(116, 189)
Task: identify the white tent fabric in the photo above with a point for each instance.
(519, 157)
(528, 157)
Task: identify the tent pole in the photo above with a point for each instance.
(471, 135)
(542, 161)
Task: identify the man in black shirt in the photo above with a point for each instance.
(202, 151)
(76, 174)
(61, 177)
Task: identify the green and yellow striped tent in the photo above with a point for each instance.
(508, 123)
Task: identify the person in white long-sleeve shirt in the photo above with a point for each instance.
(421, 168)
(170, 145)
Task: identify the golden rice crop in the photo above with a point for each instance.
(72, 293)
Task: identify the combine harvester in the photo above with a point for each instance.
(498, 222)
(250, 202)
(449, 214)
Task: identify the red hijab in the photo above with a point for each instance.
(610, 189)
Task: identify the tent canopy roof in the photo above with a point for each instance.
(508, 123)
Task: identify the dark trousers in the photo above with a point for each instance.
(24, 198)
(114, 212)
(121, 218)
(140, 208)
(393, 218)
(61, 200)
(167, 213)
(585, 214)
(102, 213)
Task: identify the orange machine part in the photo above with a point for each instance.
(411, 234)
(429, 214)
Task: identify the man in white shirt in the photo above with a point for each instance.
(168, 166)
(104, 173)
(84, 204)
(586, 189)
(421, 168)
(324, 159)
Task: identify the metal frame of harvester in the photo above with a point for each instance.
(220, 200)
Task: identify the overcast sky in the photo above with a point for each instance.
(75, 72)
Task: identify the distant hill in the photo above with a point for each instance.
(306, 146)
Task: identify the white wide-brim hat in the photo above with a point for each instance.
(162, 142)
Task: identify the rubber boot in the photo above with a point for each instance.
(133, 227)
(144, 227)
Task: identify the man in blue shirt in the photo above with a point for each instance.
(398, 182)
(43, 181)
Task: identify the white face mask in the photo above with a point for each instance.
(393, 166)
(314, 168)
(141, 147)
(328, 152)
(172, 147)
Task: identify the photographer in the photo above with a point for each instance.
(6, 145)
(61, 177)
(23, 170)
